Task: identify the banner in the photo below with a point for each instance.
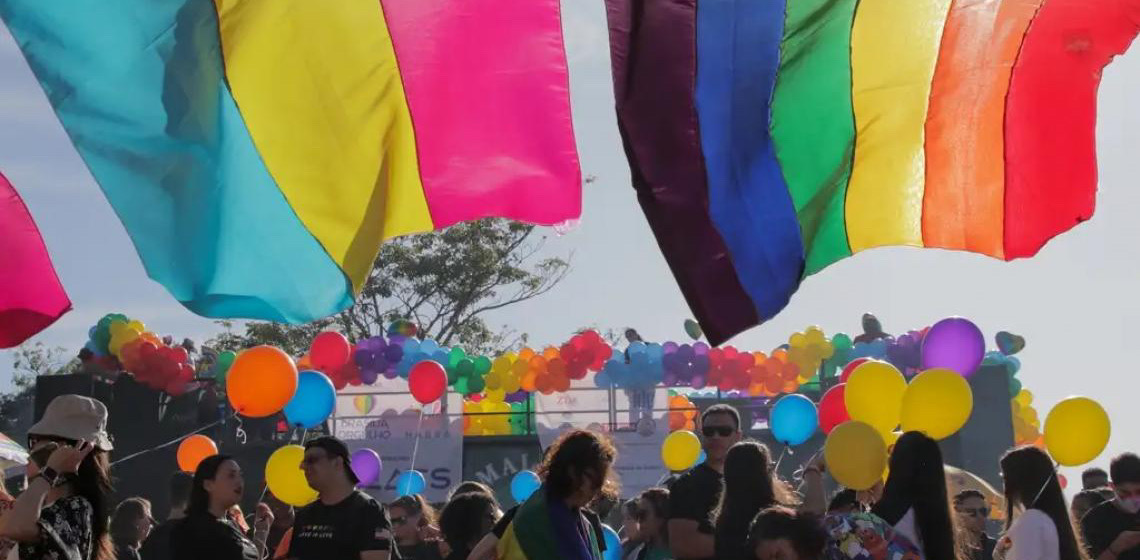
(637, 428)
(368, 419)
(496, 461)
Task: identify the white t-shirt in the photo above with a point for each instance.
(1033, 536)
(907, 528)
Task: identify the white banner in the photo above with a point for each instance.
(370, 420)
(638, 433)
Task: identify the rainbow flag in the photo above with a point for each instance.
(31, 297)
(770, 139)
(531, 535)
(259, 152)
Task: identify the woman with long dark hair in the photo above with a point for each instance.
(208, 532)
(63, 512)
(915, 500)
(414, 528)
(130, 526)
(1043, 530)
(750, 485)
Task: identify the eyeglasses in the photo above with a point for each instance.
(975, 512)
(720, 431)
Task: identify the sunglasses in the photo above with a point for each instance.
(975, 512)
(719, 431)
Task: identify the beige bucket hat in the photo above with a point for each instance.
(75, 417)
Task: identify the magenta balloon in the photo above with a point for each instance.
(366, 465)
(956, 344)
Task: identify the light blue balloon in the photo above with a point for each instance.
(410, 482)
(523, 485)
(613, 543)
(313, 402)
(701, 458)
(793, 420)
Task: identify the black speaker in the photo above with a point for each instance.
(988, 433)
(49, 387)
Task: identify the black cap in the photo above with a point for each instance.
(335, 448)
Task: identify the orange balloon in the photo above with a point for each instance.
(261, 381)
(193, 450)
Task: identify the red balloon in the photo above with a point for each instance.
(832, 409)
(1062, 480)
(851, 367)
(330, 350)
(427, 381)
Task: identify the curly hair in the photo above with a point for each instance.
(579, 453)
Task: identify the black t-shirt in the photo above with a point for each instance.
(1103, 523)
(341, 531)
(157, 544)
(694, 496)
(423, 550)
(204, 536)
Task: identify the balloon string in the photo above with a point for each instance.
(173, 441)
(1044, 486)
(783, 452)
(416, 445)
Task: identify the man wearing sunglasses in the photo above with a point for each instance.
(970, 505)
(694, 495)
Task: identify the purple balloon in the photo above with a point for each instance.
(366, 465)
(369, 376)
(956, 344)
(670, 347)
(701, 349)
(393, 353)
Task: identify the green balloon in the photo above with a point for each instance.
(475, 384)
(841, 341)
(223, 365)
(465, 368)
(456, 354)
(461, 386)
(482, 365)
(453, 376)
(1014, 386)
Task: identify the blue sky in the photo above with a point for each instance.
(1075, 303)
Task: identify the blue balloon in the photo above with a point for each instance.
(410, 482)
(523, 485)
(313, 402)
(701, 458)
(794, 419)
(613, 543)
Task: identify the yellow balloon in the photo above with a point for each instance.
(874, 395)
(937, 403)
(286, 480)
(1076, 431)
(856, 455)
(681, 450)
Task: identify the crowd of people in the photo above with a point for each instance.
(733, 506)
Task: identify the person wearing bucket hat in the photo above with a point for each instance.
(63, 513)
(344, 523)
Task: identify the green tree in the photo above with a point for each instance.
(29, 361)
(444, 282)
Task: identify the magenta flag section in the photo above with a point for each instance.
(489, 93)
(31, 297)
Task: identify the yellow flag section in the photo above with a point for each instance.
(322, 96)
(894, 49)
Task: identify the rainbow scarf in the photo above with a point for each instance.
(260, 151)
(770, 139)
(533, 534)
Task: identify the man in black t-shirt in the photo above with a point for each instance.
(344, 523)
(1112, 529)
(695, 494)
